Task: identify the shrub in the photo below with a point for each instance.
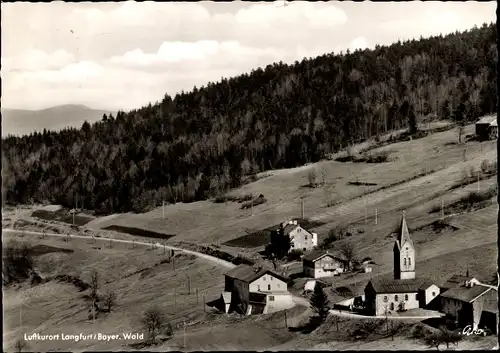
(258, 201)
(294, 255)
(311, 177)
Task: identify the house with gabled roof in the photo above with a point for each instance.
(404, 291)
(469, 301)
(320, 263)
(487, 127)
(300, 238)
(257, 290)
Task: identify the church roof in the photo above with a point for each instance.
(382, 286)
(403, 233)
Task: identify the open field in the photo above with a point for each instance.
(62, 216)
(140, 276)
(208, 222)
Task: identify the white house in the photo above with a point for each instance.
(300, 238)
(257, 290)
(321, 263)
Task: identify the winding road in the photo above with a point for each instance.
(296, 299)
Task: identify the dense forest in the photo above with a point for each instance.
(199, 144)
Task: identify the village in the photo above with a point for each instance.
(462, 298)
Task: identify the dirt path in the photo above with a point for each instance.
(296, 299)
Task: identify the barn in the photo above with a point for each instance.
(487, 128)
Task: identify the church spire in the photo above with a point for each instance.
(403, 234)
(404, 252)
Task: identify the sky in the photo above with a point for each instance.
(123, 55)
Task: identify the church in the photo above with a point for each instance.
(404, 291)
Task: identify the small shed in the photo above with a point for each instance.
(487, 128)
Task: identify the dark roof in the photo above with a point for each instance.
(288, 228)
(399, 285)
(316, 254)
(456, 281)
(248, 274)
(426, 284)
(351, 290)
(465, 294)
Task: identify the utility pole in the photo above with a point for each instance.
(251, 202)
(204, 303)
(196, 296)
(478, 178)
(376, 217)
(286, 323)
(442, 209)
(366, 211)
(163, 210)
(302, 208)
(189, 284)
(184, 334)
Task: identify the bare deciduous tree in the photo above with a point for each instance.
(153, 321)
(94, 284)
(323, 175)
(347, 251)
(311, 177)
(110, 300)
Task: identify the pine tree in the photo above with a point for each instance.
(319, 302)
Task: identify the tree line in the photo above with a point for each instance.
(198, 144)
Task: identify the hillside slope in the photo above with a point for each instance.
(22, 122)
(201, 143)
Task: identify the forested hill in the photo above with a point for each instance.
(202, 142)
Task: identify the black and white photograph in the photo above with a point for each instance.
(249, 176)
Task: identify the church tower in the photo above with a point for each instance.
(404, 253)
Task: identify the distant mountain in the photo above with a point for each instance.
(22, 122)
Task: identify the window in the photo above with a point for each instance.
(385, 298)
(271, 298)
(392, 306)
(433, 294)
(298, 230)
(306, 237)
(406, 296)
(278, 285)
(268, 287)
(258, 288)
(304, 249)
(263, 278)
(416, 296)
(271, 278)
(406, 248)
(396, 297)
(404, 261)
(409, 261)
